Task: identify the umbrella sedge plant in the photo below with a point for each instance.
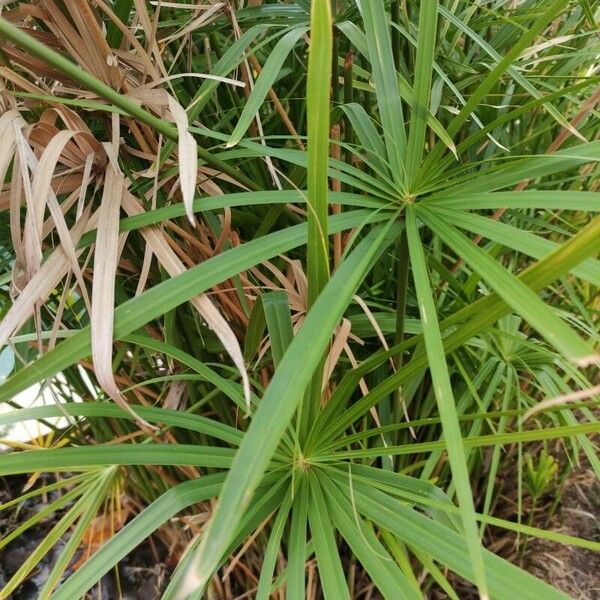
(315, 259)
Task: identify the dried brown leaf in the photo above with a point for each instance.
(188, 158)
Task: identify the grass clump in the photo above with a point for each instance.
(304, 277)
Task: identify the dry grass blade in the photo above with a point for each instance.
(43, 194)
(173, 266)
(103, 289)
(188, 157)
(41, 284)
(34, 218)
(219, 325)
(183, 160)
(208, 14)
(560, 400)
(339, 342)
(8, 140)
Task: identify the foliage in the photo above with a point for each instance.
(318, 261)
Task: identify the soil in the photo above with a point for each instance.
(575, 571)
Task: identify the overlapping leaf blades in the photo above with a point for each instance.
(299, 456)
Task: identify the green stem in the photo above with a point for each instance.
(318, 103)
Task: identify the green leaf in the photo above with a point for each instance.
(97, 496)
(264, 82)
(523, 169)
(517, 239)
(149, 520)
(231, 58)
(480, 441)
(95, 410)
(512, 69)
(386, 322)
(436, 573)
(255, 329)
(338, 169)
(506, 581)
(226, 386)
(51, 508)
(272, 550)
(425, 494)
(157, 301)
(514, 292)
(273, 489)
(368, 136)
(279, 323)
(445, 400)
(122, 9)
(84, 457)
(588, 11)
(331, 572)
(274, 415)
(428, 15)
(386, 85)
(317, 111)
(472, 320)
(492, 78)
(547, 199)
(371, 553)
(164, 213)
(90, 499)
(296, 585)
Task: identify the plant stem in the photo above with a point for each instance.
(318, 103)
